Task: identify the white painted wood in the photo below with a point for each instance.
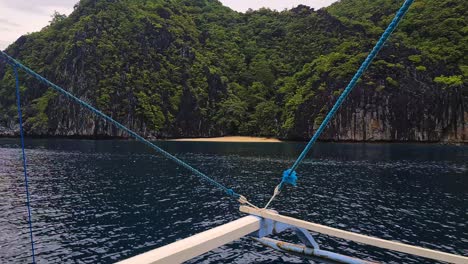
(198, 244)
(316, 252)
(418, 251)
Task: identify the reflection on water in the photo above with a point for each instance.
(103, 201)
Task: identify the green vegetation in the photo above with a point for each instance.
(421, 68)
(197, 68)
(391, 81)
(456, 80)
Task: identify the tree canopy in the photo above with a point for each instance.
(198, 68)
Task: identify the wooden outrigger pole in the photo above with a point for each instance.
(198, 244)
(261, 223)
(363, 239)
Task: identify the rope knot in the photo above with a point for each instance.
(289, 177)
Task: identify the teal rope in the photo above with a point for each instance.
(95, 111)
(26, 182)
(380, 43)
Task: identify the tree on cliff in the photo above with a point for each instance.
(197, 68)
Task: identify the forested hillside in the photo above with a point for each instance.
(190, 68)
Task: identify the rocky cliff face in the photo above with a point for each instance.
(406, 107)
(198, 69)
(420, 115)
(400, 116)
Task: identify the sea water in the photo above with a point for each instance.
(107, 200)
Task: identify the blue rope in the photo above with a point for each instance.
(26, 182)
(95, 111)
(380, 43)
(289, 177)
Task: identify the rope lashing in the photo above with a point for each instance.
(26, 181)
(133, 134)
(289, 177)
(378, 46)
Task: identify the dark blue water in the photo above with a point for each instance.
(104, 201)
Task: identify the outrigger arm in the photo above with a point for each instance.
(261, 223)
(281, 222)
(309, 248)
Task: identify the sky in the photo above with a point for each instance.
(19, 17)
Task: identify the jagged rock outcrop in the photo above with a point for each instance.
(198, 69)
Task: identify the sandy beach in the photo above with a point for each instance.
(229, 139)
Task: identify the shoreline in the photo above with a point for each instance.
(240, 139)
(229, 139)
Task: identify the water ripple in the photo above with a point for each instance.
(103, 201)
